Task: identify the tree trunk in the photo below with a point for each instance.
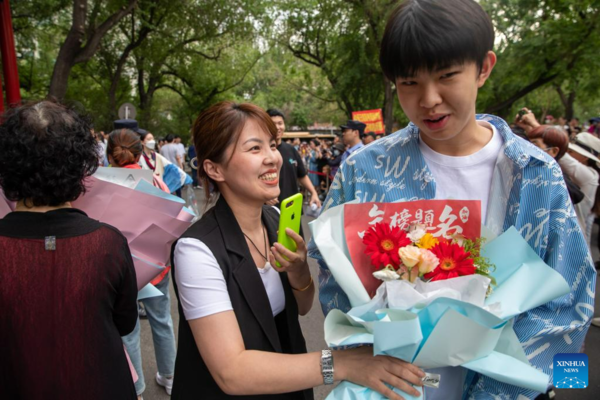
(568, 102)
(388, 105)
(60, 78)
(112, 92)
(142, 90)
(501, 108)
(66, 56)
(72, 52)
(146, 92)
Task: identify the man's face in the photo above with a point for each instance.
(368, 139)
(280, 125)
(442, 103)
(349, 136)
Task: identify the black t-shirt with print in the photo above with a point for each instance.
(291, 169)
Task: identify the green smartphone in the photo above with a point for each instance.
(291, 215)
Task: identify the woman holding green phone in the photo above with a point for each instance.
(239, 333)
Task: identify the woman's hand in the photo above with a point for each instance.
(272, 202)
(527, 121)
(361, 367)
(294, 263)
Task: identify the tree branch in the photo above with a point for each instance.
(527, 89)
(93, 42)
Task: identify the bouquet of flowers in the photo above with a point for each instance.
(437, 271)
(414, 253)
(149, 218)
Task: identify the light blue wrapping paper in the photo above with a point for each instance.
(148, 188)
(445, 332)
(524, 280)
(149, 291)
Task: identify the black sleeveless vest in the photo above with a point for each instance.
(219, 231)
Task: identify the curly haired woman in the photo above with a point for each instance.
(67, 282)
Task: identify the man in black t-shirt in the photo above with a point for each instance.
(292, 168)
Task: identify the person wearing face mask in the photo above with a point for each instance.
(152, 160)
(337, 153)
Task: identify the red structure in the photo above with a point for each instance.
(9, 58)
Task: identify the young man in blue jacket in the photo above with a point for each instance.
(438, 54)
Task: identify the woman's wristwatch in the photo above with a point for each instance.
(327, 367)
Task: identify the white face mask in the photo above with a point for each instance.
(151, 144)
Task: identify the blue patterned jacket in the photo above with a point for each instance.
(528, 191)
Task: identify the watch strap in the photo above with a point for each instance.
(327, 367)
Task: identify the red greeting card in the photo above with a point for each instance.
(442, 218)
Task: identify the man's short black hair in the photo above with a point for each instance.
(170, 138)
(46, 152)
(273, 112)
(432, 35)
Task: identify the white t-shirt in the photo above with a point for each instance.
(202, 286)
(461, 178)
(468, 177)
(170, 152)
(181, 150)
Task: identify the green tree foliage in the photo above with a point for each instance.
(342, 38)
(552, 42)
(317, 60)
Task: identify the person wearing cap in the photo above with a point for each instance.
(369, 137)
(130, 124)
(351, 134)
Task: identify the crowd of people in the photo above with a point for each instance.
(68, 282)
(322, 157)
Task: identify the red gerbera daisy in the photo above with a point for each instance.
(383, 244)
(454, 262)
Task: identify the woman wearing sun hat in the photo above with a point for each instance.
(576, 163)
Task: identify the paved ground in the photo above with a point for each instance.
(312, 327)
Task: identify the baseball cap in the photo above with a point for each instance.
(355, 126)
(131, 124)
